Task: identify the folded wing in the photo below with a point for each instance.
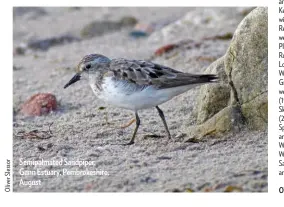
(147, 73)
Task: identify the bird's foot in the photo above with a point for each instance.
(124, 144)
(129, 143)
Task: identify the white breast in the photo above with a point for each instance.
(128, 97)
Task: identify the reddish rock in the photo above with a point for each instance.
(165, 49)
(39, 104)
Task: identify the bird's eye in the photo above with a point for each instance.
(88, 66)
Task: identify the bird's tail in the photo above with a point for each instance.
(207, 78)
(184, 79)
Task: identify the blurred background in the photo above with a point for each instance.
(50, 41)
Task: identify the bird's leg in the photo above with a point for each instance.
(135, 130)
(128, 124)
(164, 121)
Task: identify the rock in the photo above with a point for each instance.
(74, 8)
(197, 22)
(141, 30)
(128, 21)
(19, 50)
(247, 56)
(241, 96)
(44, 44)
(164, 49)
(17, 67)
(98, 28)
(138, 33)
(213, 97)
(228, 119)
(256, 112)
(226, 36)
(32, 12)
(39, 104)
(246, 66)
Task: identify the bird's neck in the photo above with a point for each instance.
(95, 81)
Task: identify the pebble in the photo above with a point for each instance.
(141, 30)
(39, 104)
(44, 44)
(98, 28)
(165, 49)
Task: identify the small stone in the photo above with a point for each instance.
(164, 158)
(148, 179)
(231, 188)
(74, 8)
(102, 108)
(189, 190)
(41, 148)
(30, 12)
(144, 27)
(49, 145)
(141, 30)
(45, 44)
(17, 67)
(39, 104)
(137, 34)
(128, 21)
(98, 28)
(19, 50)
(165, 49)
(226, 36)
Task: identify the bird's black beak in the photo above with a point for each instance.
(73, 80)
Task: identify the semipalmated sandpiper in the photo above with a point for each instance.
(135, 84)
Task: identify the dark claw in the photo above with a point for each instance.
(129, 143)
(124, 144)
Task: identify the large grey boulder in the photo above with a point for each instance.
(198, 21)
(241, 96)
(213, 97)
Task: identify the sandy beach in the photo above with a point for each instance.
(85, 128)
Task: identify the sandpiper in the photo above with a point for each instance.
(136, 84)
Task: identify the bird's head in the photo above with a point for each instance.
(90, 64)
